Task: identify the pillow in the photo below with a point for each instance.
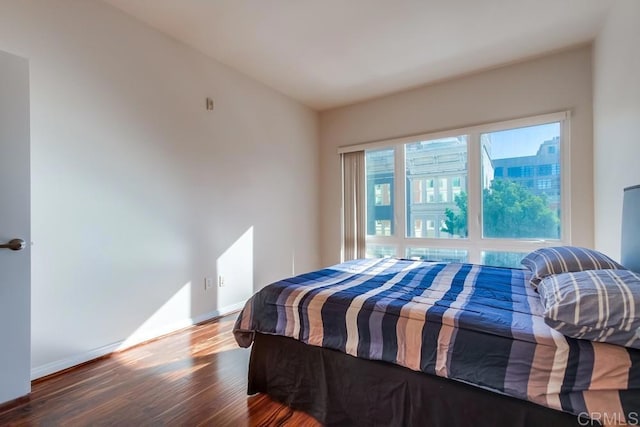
(597, 305)
(563, 259)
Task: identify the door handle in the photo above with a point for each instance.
(14, 245)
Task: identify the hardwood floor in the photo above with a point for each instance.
(196, 376)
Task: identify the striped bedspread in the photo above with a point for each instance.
(476, 324)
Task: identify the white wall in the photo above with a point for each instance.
(138, 191)
(616, 117)
(553, 83)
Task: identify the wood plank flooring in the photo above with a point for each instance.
(193, 377)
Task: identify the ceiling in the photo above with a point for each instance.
(329, 53)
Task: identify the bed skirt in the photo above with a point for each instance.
(339, 389)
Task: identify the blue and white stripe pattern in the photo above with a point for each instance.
(598, 305)
(564, 259)
(477, 324)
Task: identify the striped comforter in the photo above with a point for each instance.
(476, 324)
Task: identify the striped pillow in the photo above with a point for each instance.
(596, 305)
(564, 259)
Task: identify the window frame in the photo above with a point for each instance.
(475, 243)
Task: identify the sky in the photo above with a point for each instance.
(519, 142)
(522, 141)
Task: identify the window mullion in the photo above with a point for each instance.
(565, 182)
(474, 193)
(399, 211)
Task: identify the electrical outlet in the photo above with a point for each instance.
(220, 281)
(208, 283)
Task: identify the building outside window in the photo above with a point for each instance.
(382, 194)
(431, 195)
(431, 228)
(417, 227)
(432, 162)
(456, 187)
(443, 191)
(380, 190)
(417, 185)
(383, 227)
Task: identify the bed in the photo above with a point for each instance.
(408, 342)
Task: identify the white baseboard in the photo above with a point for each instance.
(217, 313)
(59, 365)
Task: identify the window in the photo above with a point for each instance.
(514, 172)
(543, 184)
(437, 186)
(380, 251)
(379, 167)
(544, 170)
(503, 259)
(456, 187)
(382, 194)
(442, 189)
(422, 192)
(513, 209)
(431, 195)
(417, 190)
(433, 254)
(383, 227)
(417, 228)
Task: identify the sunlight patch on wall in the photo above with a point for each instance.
(163, 320)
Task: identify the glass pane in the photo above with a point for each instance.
(382, 194)
(383, 227)
(417, 228)
(436, 174)
(430, 254)
(380, 251)
(521, 183)
(380, 188)
(503, 259)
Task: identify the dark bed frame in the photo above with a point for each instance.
(339, 389)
